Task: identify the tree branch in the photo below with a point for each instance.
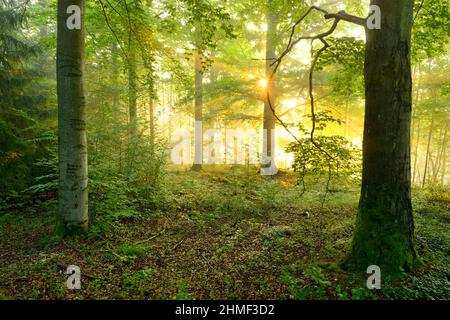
(341, 15)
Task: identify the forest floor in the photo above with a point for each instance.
(215, 235)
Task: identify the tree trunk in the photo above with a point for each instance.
(416, 153)
(435, 164)
(171, 104)
(346, 119)
(43, 29)
(73, 167)
(444, 157)
(132, 109)
(198, 134)
(152, 122)
(441, 154)
(269, 120)
(427, 155)
(384, 226)
(115, 92)
(132, 106)
(115, 81)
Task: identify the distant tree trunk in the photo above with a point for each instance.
(346, 119)
(416, 153)
(444, 157)
(132, 94)
(43, 29)
(384, 225)
(152, 122)
(115, 92)
(115, 81)
(198, 134)
(269, 120)
(132, 109)
(435, 163)
(73, 167)
(416, 99)
(440, 155)
(427, 155)
(171, 104)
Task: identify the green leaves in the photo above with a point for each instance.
(310, 160)
(431, 30)
(347, 54)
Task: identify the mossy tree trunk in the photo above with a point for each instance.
(73, 172)
(384, 228)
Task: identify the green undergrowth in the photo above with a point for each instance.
(214, 234)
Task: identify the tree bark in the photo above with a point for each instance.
(132, 109)
(152, 122)
(132, 94)
(427, 155)
(384, 226)
(441, 154)
(416, 153)
(444, 157)
(435, 163)
(269, 120)
(43, 29)
(115, 81)
(73, 165)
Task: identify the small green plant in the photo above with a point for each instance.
(134, 250)
(361, 294)
(183, 293)
(6, 218)
(340, 294)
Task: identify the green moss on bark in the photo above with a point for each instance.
(383, 237)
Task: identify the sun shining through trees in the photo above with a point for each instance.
(263, 83)
(218, 149)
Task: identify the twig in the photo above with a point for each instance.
(341, 15)
(105, 15)
(418, 10)
(178, 244)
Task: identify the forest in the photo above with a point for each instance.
(224, 150)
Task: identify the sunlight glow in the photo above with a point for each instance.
(251, 26)
(289, 103)
(263, 83)
(357, 141)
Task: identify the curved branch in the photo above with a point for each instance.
(311, 94)
(341, 15)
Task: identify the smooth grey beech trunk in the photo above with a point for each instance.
(384, 227)
(269, 120)
(73, 167)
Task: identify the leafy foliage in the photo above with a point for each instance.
(333, 155)
(20, 104)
